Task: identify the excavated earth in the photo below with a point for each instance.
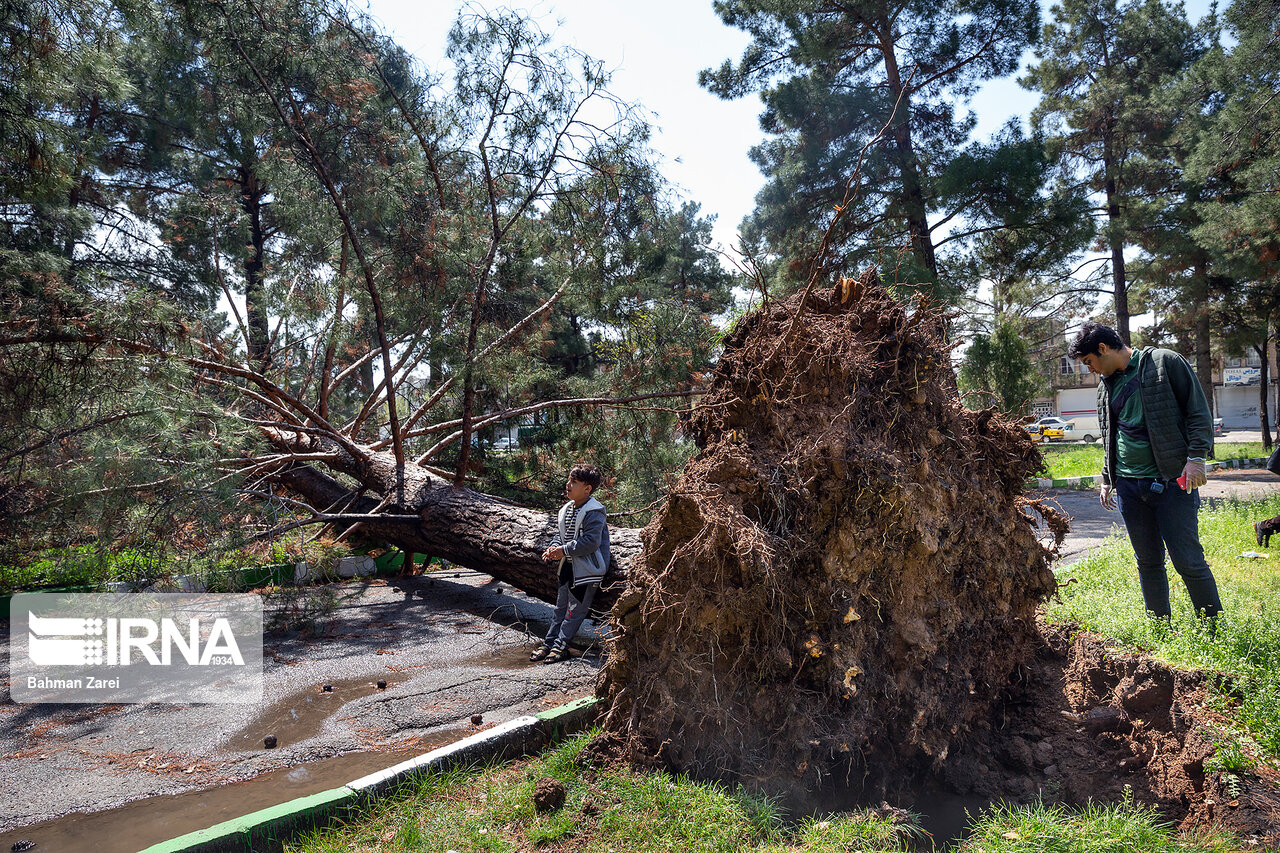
(1084, 722)
(841, 592)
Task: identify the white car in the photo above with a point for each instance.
(1051, 422)
(505, 442)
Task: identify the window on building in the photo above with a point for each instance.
(1070, 367)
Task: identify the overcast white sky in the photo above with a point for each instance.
(656, 49)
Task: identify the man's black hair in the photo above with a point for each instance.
(1086, 343)
(588, 474)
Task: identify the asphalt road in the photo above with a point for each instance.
(449, 645)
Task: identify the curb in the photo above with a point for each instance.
(511, 739)
(1096, 479)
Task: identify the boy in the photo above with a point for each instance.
(581, 545)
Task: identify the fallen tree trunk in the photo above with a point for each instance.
(434, 517)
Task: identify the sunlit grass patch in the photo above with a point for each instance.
(619, 809)
(1086, 460)
(613, 808)
(1077, 461)
(1096, 828)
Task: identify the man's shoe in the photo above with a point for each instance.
(540, 653)
(557, 655)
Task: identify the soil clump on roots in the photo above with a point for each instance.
(844, 579)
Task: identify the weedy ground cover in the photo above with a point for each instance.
(615, 808)
(1107, 600)
(89, 565)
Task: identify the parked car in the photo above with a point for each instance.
(1047, 433)
(505, 443)
(1217, 426)
(1056, 423)
(1051, 428)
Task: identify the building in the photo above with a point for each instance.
(1235, 391)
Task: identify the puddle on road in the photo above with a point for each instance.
(302, 714)
(517, 657)
(511, 657)
(142, 823)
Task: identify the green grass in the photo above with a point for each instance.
(1075, 461)
(1107, 599)
(80, 565)
(1118, 828)
(491, 809)
(1086, 460)
(90, 565)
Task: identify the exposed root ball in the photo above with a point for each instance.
(846, 575)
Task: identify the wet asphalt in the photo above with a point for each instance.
(449, 646)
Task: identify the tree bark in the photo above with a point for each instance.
(1204, 355)
(1115, 238)
(1264, 417)
(914, 209)
(255, 296)
(462, 526)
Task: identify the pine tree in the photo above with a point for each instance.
(1237, 158)
(1173, 275)
(1098, 62)
(997, 370)
(863, 92)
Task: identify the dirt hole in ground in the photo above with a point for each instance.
(841, 589)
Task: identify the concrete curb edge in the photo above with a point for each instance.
(1096, 479)
(521, 736)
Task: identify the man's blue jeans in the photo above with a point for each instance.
(1157, 521)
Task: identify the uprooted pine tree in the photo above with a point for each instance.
(846, 575)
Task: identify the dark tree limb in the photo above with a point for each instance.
(455, 523)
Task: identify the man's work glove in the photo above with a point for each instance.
(1108, 497)
(1193, 472)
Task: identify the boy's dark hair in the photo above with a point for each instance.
(1086, 343)
(588, 474)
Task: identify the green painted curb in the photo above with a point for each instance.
(1095, 479)
(265, 825)
(554, 714)
(571, 717)
(268, 827)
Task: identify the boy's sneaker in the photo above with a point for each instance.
(540, 652)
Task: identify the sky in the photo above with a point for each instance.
(656, 49)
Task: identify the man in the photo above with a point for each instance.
(1156, 427)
